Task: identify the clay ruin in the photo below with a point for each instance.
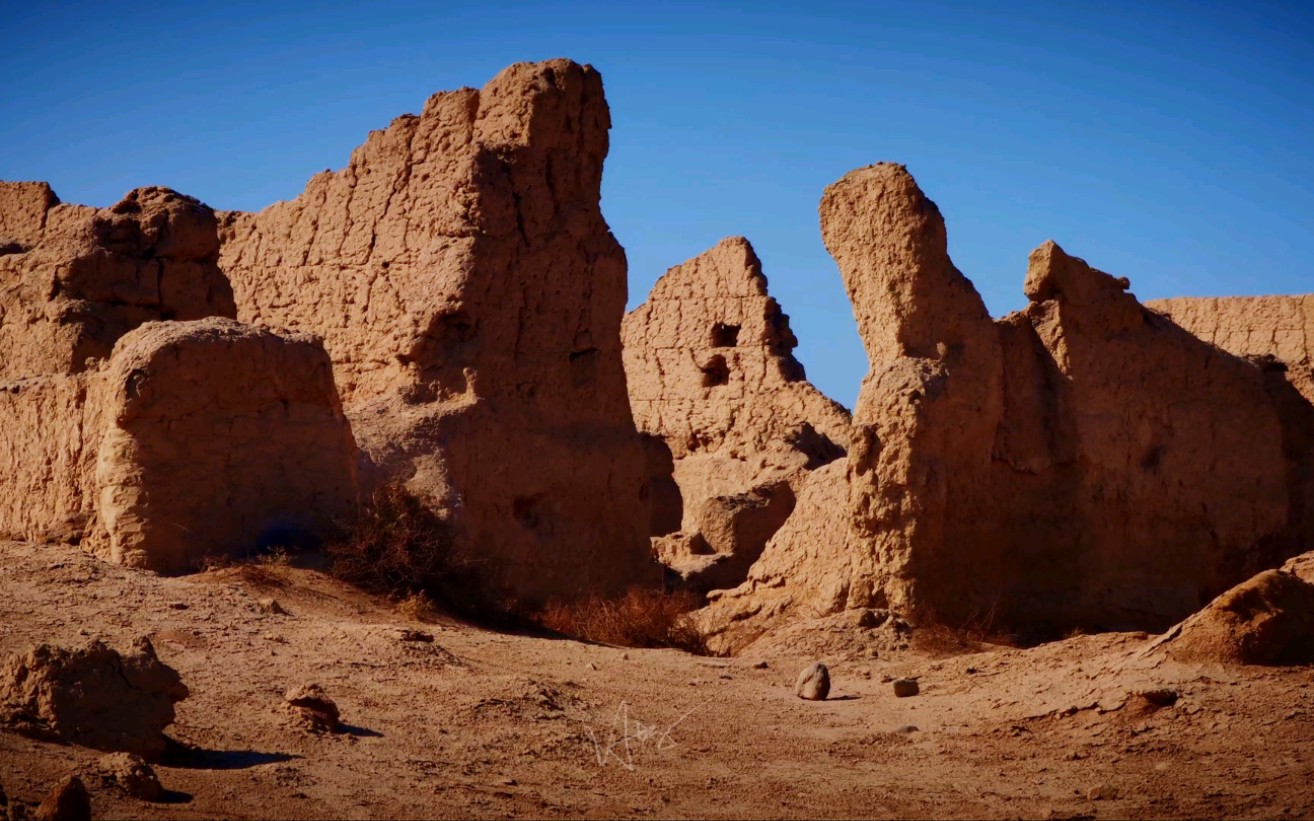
(1280, 327)
(93, 696)
(202, 461)
(1084, 462)
(150, 435)
(470, 295)
(736, 425)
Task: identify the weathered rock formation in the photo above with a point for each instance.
(470, 295)
(154, 439)
(1082, 462)
(92, 696)
(219, 438)
(712, 375)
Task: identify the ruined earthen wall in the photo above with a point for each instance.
(470, 295)
(709, 359)
(711, 372)
(47, 469)
(1278, 326)
(77, 278)
(131, 424)
(1084, 462)
(219, 438)
(73, 279)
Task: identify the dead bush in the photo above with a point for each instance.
(974, 635)
(398, 547)
(640, 618)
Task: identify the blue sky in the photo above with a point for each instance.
(1173, 145)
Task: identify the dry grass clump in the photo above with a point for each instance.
(640, 618)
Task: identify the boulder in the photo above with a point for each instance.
(470, 294)
(67, 801)
(1301, 566)
(220, 438)
(312, 708)
(92, 696)
(813, 683)
(129, 774)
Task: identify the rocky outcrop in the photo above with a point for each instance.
(1084, 462)
(92, 696)
(711, 371)
(470, 295)
(219, 438)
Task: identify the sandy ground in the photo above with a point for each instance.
(487, 724)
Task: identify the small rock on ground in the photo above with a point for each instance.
(309, 704)
(905, 687)
(130, 774)
(813, 683)
(68, 801)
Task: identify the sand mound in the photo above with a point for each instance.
(1268, 619)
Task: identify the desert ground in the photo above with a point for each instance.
(479, 723)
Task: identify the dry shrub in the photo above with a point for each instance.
(276, 556)
(418, 607)
(396, 546)
(973, 636)
(640, 618)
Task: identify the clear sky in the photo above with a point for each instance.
(1169, 142)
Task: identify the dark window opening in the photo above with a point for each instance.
(725, 336)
